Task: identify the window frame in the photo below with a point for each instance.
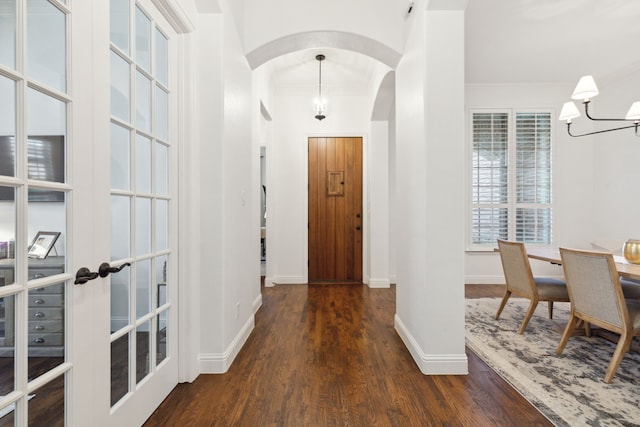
(512, 203)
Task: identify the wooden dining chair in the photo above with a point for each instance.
(597, 298)
(521, 282)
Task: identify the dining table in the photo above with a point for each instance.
(625, 269)
(552, 255)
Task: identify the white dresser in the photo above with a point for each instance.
(46, 310)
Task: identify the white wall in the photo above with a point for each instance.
(241, 177)
(206, 154)
(293, 124)
(378, 210)
(262, 105)
(225, 194)
(393, 209)
(616, 171)
(429, 147)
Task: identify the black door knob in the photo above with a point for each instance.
(83, 275)
(105, 269)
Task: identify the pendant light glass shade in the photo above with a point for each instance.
(320, 103)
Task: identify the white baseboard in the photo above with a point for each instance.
(497, 280)
(284, 280)
(484, 280)
(219, 363)
(432, 364)
(379, 283)
(257, 303)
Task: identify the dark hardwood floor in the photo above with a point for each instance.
(328, 355)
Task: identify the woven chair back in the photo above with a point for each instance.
(515, 264)
(593, 284)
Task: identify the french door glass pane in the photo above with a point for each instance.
(120, 158)
(162, 170)
(162, 58)
(7, 344)
(46, 44)
(162, 225)
(46, 404)
(7, 128)
(120, 285)
(161, 336)
(162, 114)
(120, 88)
(161, 279)
(143, 225)
(46, 211)
(143, 102)
(119, 22)
(143, 164)
(143, 288)
(8, 33)
(46, 328)
(46, 127)
(143, 40)
(120, 228)
(119, 368)
(143, 351)
(7, 239)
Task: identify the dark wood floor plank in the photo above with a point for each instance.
(328, 355)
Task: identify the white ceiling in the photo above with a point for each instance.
(340, 68)
(549, 41)
(507, 41)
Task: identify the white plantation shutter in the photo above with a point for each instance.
(533, 178)
(511, 177)
(490, 173)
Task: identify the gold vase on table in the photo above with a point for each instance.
(631, 251)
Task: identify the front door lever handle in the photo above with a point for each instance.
(83, 275)
(105, 268)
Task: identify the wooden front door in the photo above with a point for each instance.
(335, 209)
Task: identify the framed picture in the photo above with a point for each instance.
(43, 243)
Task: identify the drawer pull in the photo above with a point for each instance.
(39, 301)
(39, 289)
(39, 314)
(38, 340)
(39, 328)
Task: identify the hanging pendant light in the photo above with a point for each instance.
(320, 102)
(585, 90)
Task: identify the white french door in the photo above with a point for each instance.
(143, 210)
(87, 176)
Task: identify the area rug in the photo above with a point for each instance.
(568, 389)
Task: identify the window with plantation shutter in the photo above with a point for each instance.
(511, 191)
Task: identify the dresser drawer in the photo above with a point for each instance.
(53, 289)
(45, 339)
(45, 300)
(45, 313)
(39, 273)
(46, 326)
